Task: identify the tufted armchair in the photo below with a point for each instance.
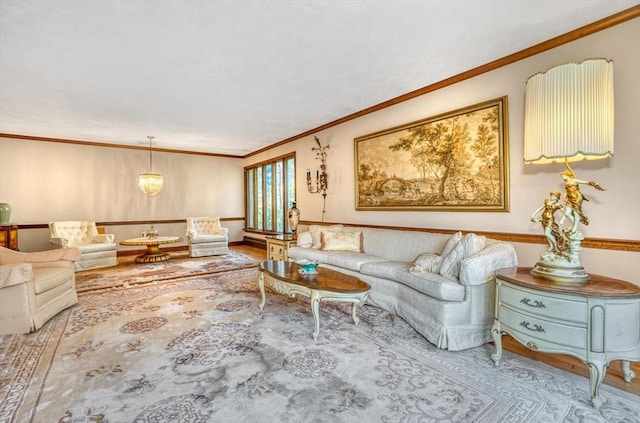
(34, 287)
(206, 237)
(97, 250)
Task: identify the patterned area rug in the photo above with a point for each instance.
(128, 272)
(200, 350)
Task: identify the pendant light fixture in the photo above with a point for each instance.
(150, 183)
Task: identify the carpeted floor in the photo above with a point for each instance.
(200, 350)
(128, 272)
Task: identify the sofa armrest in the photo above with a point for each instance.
(481, 267)
(14, 274)
(66, 254)
(103, 238)
(304, 239)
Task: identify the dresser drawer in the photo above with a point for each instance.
(276, 252)
(570, 310)
(546, 330)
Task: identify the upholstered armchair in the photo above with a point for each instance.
(96, 250)
(207, 237)
(34, 287)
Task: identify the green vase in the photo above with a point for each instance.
(5, 213)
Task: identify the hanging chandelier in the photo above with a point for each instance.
(150, 183)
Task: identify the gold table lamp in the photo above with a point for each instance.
(569, 116)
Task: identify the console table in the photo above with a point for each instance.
(597, 321)
(278, 246)
(9, 236)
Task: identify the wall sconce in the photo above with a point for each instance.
(320, 186)
(568, 117)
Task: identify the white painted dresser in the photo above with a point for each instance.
(597, 321)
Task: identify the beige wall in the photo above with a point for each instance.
(614, 213)
(46, 181)
(49, 181)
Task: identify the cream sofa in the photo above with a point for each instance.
(97, 250)
(35, 287)
(454, 311)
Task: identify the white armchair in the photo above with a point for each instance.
(207, 237)
(96, 250)
(34, 287)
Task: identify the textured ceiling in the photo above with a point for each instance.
(232, 77)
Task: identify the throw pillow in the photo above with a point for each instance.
(466, 247)
(341, 241)
(472, 243)
(315, 233)
(450, 267)
(448, 247)
(426, 262)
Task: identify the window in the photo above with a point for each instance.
(270, 190)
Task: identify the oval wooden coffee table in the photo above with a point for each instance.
(326, 285)
(153, 254)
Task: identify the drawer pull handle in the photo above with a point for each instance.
(536, 327)
(535, 304)
(532, 346)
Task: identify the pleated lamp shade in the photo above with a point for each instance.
(569, 113)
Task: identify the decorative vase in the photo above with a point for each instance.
(5, 213)
(294, 218)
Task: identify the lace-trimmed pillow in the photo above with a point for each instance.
(426, 263)
(341, 241)
(466, 247)
(451, 243)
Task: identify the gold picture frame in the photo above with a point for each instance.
(456, 161)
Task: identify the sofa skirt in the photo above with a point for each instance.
(452, 325)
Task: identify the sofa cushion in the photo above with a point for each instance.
(208, 238)
(351, 260)
(346, 259)
(90, 248)
(341, 241)
(431, 284)
(315, 231)
(426, 262)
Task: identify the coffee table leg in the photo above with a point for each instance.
(315, 310)
(261, 286)
(354, 306)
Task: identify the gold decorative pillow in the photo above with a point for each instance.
(315, 230)
(341, 241)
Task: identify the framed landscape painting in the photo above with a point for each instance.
(457, 161)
